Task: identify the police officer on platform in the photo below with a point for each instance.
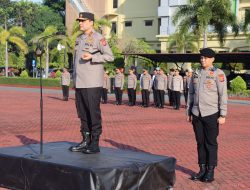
(91, 51)
(207, 109)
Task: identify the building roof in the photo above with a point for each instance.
(237, 57)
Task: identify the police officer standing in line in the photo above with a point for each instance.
(133, 68)
(153, 85)
(119, 82)
(177, 89)
(106, 87)
(161, 87)
(132, 80)
(186, 82)
(170, 93)
(91, 50)
(65, 81)
(207, 109)
(145, 87)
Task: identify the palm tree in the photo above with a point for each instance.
(182, 41)
(49, 30)
(199, 14)
(12, 36)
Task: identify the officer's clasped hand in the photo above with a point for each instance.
(86, 56)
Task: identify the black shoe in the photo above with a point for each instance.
(201, 174)
(93, 148)
(79, 147)
(82, 145)
(209, 176)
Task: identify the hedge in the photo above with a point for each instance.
(30, 81)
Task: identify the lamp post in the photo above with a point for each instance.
(59, 48)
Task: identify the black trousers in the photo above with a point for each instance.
(145, 97)
(185, 92)
(88, 109)
(131, 96)
(155, 96)
(104, 95)
(118, 95)
(160, 98)
(176, 99)
(206, 131)
(170, 96)
(65, 91)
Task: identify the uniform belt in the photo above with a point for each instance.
(94, 52)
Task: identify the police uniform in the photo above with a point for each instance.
(88, 82)
(207, 101)
(186, 82)
(170, 93)
(65, 82)
(105, 88)
(145, 89)
(132, 81)
(119, 82)
(153, 86)
(161, 87)
(177, 88)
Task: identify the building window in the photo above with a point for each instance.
(128, 23)
(115, 4)
(148, 22)
(159, 25)
(113, 27)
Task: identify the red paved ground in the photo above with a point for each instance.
(163, 132)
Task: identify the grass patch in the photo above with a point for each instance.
(30, 81)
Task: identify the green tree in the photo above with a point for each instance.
(200, 14)
(24, 12)
(50, 30)
(57, 6)
(5, 12)
(182, 42)
(13, 36)
(44, 17)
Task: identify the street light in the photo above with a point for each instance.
(59, 48)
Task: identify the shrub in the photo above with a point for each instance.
(58, 74)
(24, 74)
(238, 85)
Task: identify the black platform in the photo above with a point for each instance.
(112, 169)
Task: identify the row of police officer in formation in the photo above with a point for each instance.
(160, 84)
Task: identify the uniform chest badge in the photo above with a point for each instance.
(90, 40)
(209, 84)
(103, 42)
(221, 78)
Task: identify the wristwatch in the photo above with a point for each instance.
(223, 116)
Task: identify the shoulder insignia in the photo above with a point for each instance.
(221, 77)
(103, 42)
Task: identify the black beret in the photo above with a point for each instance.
(86, 16)
(133, 67)
(207, 52)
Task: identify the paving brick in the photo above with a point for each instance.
(163, 132)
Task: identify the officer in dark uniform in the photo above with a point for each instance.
(207, 109)
(91, 50)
